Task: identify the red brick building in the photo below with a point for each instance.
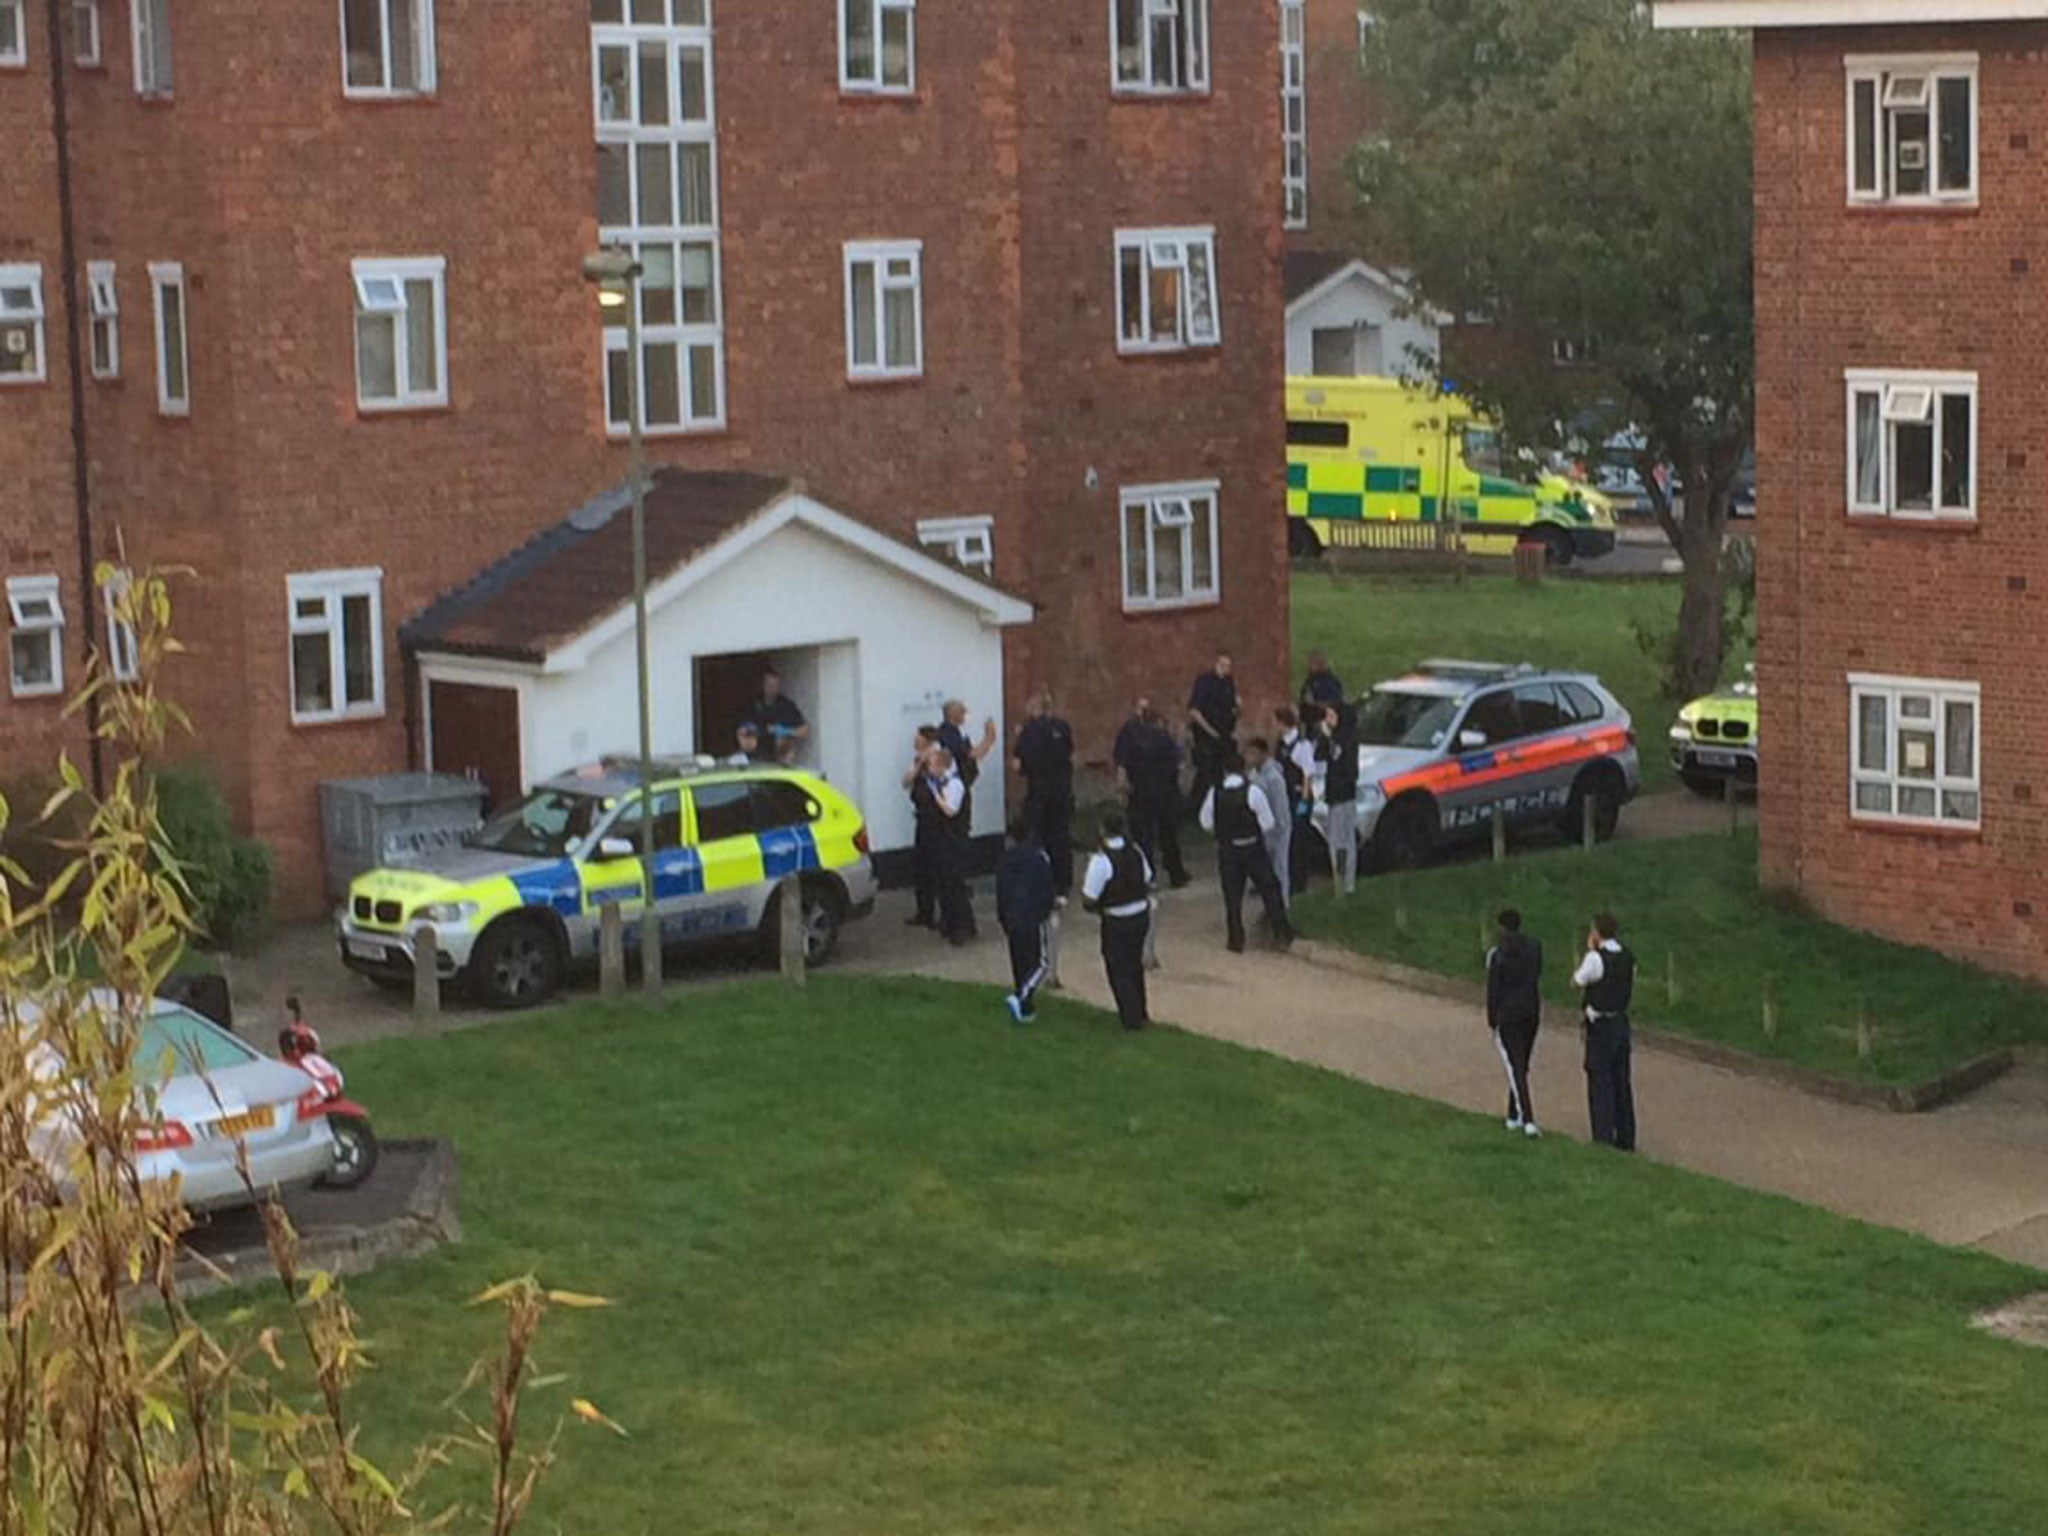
(1901, 205)
(291, 296)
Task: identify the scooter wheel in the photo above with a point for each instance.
(355, 1156)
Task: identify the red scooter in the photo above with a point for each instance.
(355, 1142)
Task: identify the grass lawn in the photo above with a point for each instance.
(884, 1264)
(1697, 900)
(1377, 626)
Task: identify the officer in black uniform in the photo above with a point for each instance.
(782, 725)
(1238, 812)
(1608, 977)
(1118, 886)
(930, 826)
(1045, 760)
(1212, 724)
(1149, 761)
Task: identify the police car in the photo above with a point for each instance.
(1714, 741)
(521, 900)
(1441, 747)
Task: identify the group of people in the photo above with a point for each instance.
(1514, 1013)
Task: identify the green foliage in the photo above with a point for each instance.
(228, 875)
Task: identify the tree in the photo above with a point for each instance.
(1558, 171)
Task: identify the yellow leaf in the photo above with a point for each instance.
(590, 1413)
(497, 1292)
(267, 1342)
(576, 1299)
(320, 1284)
(295, 1483)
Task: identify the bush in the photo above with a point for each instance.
(229, 875)
(40, 847)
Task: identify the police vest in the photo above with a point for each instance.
(1616, 987)
(1235, 820)
(1126, 883)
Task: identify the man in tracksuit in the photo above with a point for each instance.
(1045, 759)
(1608, 977)
(1514, 1012)
(1024, 904)
(1118, 886)
(1237, 811)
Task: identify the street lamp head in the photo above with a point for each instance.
(613, 270)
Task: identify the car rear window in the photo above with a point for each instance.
(779, 804)
(723, 810)
(1581, 703)
(177, 1043)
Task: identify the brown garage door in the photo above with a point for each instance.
(476, 731)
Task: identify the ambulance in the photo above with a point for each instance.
(1363, 453)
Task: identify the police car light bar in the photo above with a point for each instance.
(1447, 667)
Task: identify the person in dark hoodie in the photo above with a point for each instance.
(1514, 1012)
(1024, 906)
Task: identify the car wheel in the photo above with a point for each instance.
(1557, 546)
(1602, 788)
(517, 964)
(1302, 543)
(1405, 836)
(824, 910)
(355, 1152)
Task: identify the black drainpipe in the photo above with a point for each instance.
(81, 486)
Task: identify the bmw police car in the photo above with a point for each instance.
(1714, 739)
(1440, 748)
(515, 906)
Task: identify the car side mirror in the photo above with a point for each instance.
(616, 848)
(1470, 740)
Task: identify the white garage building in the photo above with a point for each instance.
(528, 670)
(1346, 318)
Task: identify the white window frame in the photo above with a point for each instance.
(16, 54)
(35, 606)
(35, 319)
(165, 275)
(145, 18)
(1900, 395)
(1882, 72)
(1293, 114)
(874, 84)
(423, 50)
(368, 275)
(103, 319)
(969, 542)
(674, 243)
(878, 256)
(123, 652)
(329, 589)
(1193, 66)
(1171, 510)
(1945, 778)
(1151, 243)
(87, 50)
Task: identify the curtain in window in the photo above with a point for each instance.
(1869, 449)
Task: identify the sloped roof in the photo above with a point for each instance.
(1305, 271)
(1754, 14)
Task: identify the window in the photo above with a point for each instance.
(969, 542)
(1913, 129)
(1541, 709)
(387, 47)
(337, 645)
(723, 810)
(401, 334)
(103, 318)
(85, 34)
(657, 195)
(1913, 445)
(151, 26)
(1166, 290)
(21, 325)
(13, 33)
(1160, 45)
(778, 804)
(1319, 434)
(884, 311)
(878, 46)
(1494, 717)
(173, 370)
(1570, 351)
(1169, 537)
(1293, 115)
(1580, 705)
(1913, 751)
(123, 653)
(35, 641)
(668, 821)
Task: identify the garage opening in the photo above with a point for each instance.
(728, 686)
(474, 730)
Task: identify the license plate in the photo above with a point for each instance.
(363, 949)
(1716, 759)
(262, 1118)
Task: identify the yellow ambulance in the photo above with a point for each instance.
(1365, 454)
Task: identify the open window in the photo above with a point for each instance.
(1913, 129)
(35, 640)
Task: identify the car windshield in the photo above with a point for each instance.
(549, 824)
(175, 1044)
(1390, 718)
(1482, 451)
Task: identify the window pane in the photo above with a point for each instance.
(1137, 556)
(174, 340)
(1955, 451)
(860, 40)
(1869, 458)
(1916, 753)
(363, 25)
(696, 94)
(422, 337)
(1163, 295)
(102, 346)
(1165, 51)
(653, 84)
(1955, 149)
(862, 280)
(1959, 805)
(1872, 731)
(650, 12)
(1910, 149)
(1197, 14)
(614, 84)
(377, 357)
(695, 185)
(20, 349)
(724, 810)
(34, 659)
(405, 46)
(1201, 296)
(1130, 32)
(657, 185)
(899, 322)
(1874, 798)
(159, 58)
(896, 46)
(1169, 563)
(695, 277)
(312, 686)
(617, 381)
(1959, 740)
(1131, 293)
(1916, 801)
(614, 185)
(1913, 468)
(703, 383)
(690, 13)
(658, 285)
(664, 385)
(1202, 539)
(1863, 128)
(358, 646)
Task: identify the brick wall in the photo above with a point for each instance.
(1339, 115)
(1874, 288)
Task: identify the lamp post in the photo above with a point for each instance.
(617, 277)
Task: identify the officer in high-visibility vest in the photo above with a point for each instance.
(1118, 887)
(1608, 977)
(1237, 811)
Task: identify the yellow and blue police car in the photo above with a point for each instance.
(521, 900)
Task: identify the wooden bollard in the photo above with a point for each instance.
(1770, 1008)
(611, 950)
(791, 895)
(1500, 833)
(426, 971)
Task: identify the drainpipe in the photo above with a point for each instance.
(74, 356)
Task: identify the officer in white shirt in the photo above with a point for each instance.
(1608, 978)
(1237, 811)
(1118, 887)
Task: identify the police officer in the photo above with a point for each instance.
(1337, 750)
(1212, 723)
(949, 795)
(1514, 1012)
(925, 851)
(781, 724)
(1608, 977)
(1118, 886)
(1322, 686)
(1045, 761)
(1148, 763)
(1238, 812)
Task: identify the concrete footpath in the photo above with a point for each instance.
(1971, 1174)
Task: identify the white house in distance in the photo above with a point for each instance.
(528, 670)
(1346, 318)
